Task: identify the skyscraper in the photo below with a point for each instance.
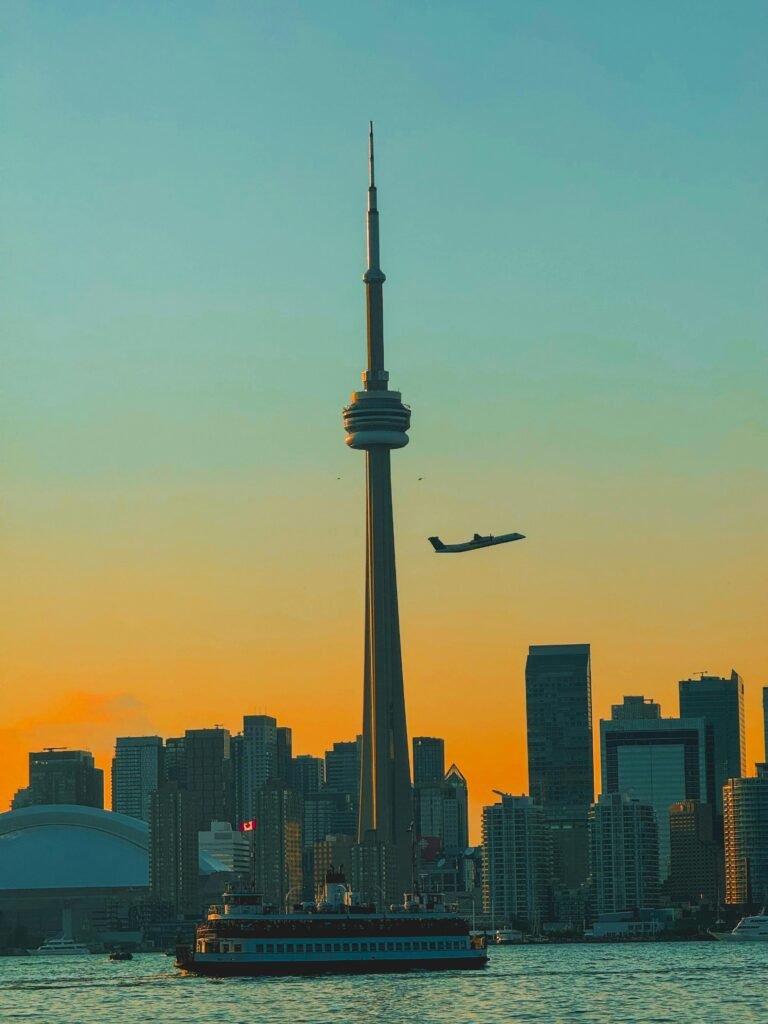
(173, 849)
(658, 762)
(428, 760)
(376, 422)
(342, 775)
(516, 862)
(137, 769)
(624, 854)
(696, 859)
(208, 774)
(720, 702)
(558, 695)
(256, 761)
(307, 774)
(60, 776)
(745, 815)
(278, 843)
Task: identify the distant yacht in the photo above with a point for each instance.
(61, 946)
(749, 929)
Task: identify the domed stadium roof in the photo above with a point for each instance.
(62, 846)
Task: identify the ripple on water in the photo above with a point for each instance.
(715, 983)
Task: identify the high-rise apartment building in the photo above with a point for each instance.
(516, 862)
(208, 774)
(60, 776)
(720, 702)
(173, 850)
(745, 816)
(256, 761)
(441, 813)
(137, 769)
(558, 693)
(278, 843)
(342, 775)
(658, 762)
(428, 761)
(624, 854)
(696, 859)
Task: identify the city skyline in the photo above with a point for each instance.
(574, 318)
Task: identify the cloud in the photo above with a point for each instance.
(76, 719)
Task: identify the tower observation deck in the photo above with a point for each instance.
(376, 421)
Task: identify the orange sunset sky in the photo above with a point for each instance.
(574, 308)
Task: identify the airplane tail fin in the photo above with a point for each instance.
(436, 543)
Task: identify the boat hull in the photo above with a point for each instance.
(253, 968)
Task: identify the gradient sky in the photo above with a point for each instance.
(573, 229)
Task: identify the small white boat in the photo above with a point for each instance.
(749, 929)
(509, 937)
(61, 946)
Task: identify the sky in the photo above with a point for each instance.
(572, 205)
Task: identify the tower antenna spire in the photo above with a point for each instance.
(372, 181)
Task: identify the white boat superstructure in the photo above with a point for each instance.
(61, 946)
(749, 929)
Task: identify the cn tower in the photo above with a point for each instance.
(376, 422)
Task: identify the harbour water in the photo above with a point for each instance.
(703, 982)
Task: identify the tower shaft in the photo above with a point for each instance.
(376, 421)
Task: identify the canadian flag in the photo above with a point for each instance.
(248, 826)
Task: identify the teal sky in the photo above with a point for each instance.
(573, 230)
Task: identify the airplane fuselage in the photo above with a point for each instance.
(476, 542)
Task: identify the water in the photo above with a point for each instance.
(702, 982)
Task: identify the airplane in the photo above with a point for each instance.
(476, 542)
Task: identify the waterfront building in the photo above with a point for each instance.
(696, 859)
(745, 817)
(61, 776)
(228, 846)
(277, 839)
(137, 769)
(376, 422)
(173, 849)
(633, 708)
(720, 702)
(658, 762)
(558, 693)
(428, 761)
(516, 862)
(624, 854)
(208, 774)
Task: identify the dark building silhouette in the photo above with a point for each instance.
(208, 774)
(558, 693)
(62, 777)
(428, 760)
(342, 775)
(308, 774)
(720, 702)
(137, 769)
(624, 854)
(745, 814)
(173, 850)
(657, 761)
(175, 761)
(696, 858)
(278, 842)
(283, 753)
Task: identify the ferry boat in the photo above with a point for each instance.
(246, 936)
(749, 929)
